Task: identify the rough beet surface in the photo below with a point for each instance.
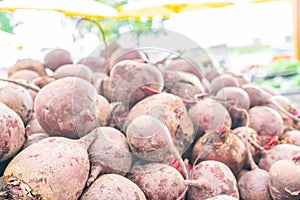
(18, 99)
(54, 168)
(113, 186)
(149, 139)
(208, 114)
(158, 181)
(170, 110)
(278, 152)
(109, 153)
(67, 107)
(12, 132)
(285, 180)
(223, 146)
(253, 185)
(214, 178)
(265, 121)
(143, 75)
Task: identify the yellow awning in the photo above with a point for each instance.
(165, 8)
(74, 8)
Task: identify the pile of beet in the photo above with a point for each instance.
(119, 127)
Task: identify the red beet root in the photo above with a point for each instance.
(158, 181)
(223, 146)
(171, 111)
(253, 185)
(211, 178)
(109, 153)
(278, 152)
(53, 168)
(12, 132)
(266, 121)
(208, 114)
(113, 186)
(285, 180)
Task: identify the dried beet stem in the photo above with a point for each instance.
(281, 109)
(25, 85)
(95, 171)
(251, 161)
(257, 146)
(89, 138)
(293, 193)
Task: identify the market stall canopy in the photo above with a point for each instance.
(165, 8)
(262, 1)
(73, 8)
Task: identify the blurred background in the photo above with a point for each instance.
(243, 36)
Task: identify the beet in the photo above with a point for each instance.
(53, 168)
(18, 99)
(121, 54)
(253, 185)
(113, 186)
(224, 80)
(33, 126)
(212, 178)
(105, 87)
(109, 49)
(183, 84)
(74, 70)
(259, 97)
(278, 152)
(96, 64)
(234, 96)
(208, 114)
(12, 132)
(149, 139)
(170, 110)
(158, 181)
(67, 107)
(284, 102)
(291, 137)
(125, 73)
(118, 115)
(221, 145)
(24, 74)
(103, 110)
(211, 74)
(43, 81)
(27, 64)
(285, 180)
(252, 134)
(56, 58)
(237, 102)
(109, 153)
(266, 121)
(181, 64)
(33, 138)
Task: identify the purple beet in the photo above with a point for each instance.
(211, 178)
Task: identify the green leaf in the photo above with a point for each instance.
(5, 23)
